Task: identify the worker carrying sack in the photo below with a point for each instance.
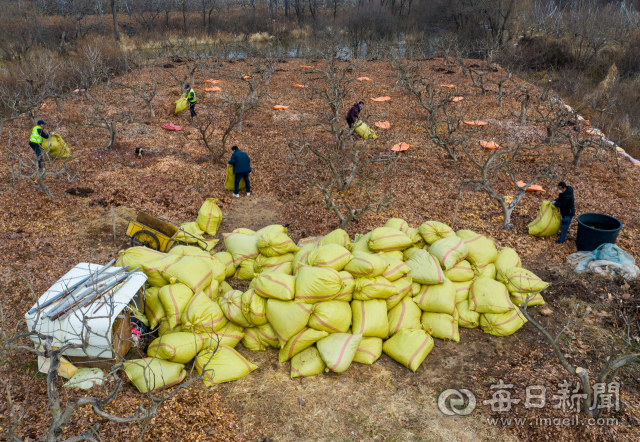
(229, 180)
(547, 223)
(56, 146)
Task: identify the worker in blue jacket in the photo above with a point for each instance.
(241, 169)
(566, 203)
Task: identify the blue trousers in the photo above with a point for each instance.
(36, 149)
(236, 183)
(564, 227)
(192, 108)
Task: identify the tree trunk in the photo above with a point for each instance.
(111, 127)
(150, 106)
(114, 12)
(523, 109)
(577, 157)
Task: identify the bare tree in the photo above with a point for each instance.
(622, 353)
(104, 115)
(114, 13)
(144, 85)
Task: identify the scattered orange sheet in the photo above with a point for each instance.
(449, 86)
(212, 89)
(213, 81)
(306, 67)
(364, 79)
(382, 124)
(280, 107)
(532, 188)
(456, 99)
(300, 86)
(381, 99)
(489, 144)
(246, 77)
(401, 147)
(43, 105)
(475, 123)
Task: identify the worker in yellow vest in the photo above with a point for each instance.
(37, 136)
(191, 98)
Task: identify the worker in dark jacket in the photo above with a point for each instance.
(191, 98)
(565, 202)
(241, 168)
(35, 140)
(354, 113)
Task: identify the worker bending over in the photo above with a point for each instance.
(354, 113)
(241, 169)
(565, 202)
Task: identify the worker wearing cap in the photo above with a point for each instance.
(37, 136)
(191, 98)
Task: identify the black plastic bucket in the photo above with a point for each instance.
(595, 229)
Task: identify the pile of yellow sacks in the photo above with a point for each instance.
(329, 303)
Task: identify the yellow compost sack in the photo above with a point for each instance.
(368, 351)
(507, 258)
(425, 268)
(218, 269)
(404, 315)
(302, 340)
(489, 296)
(274, 264)
(192, 271)
(307, 363)
(488, 271)
(267, 335)
(366, 265)
(209, 216)
(213, 290)
(482, 250)
(339, 237)
(521, 298)
(174, 298)
(254, 307)
(181, 250)
(519, 280)
(362, 245)
(136, 256)
(164, 328)
(466, 317)
(202, 315)
(300, 257)
(547, 223)
(462, 291)
(153, 307)
(392, 254)
(229, 180)
(315, 284)
(227, 260)
(397, 268)
(331, 316)
(431, 231)
(398, 224)
(273, 228)
(449, 251)
(56, 146)
(370, 318)
(241, 246)
(287, 317)
(441, 326)
(275, 286)
(338, 349)
(231, 304)
(225, 365)
(152, 374)
(439, 298)
(406, 253)
(502, 324)
(384, 239)
(229, 335)
(404, 288)
(177, 347)
(333, 256)
(415, 237)
(275, 244)
(181, 104)
(409, 347)
(349, 284)
(245, 269)
(373, 288)
(224, 288)
(364, 131)
(251, 340)
(460, 272)
(191, 233)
